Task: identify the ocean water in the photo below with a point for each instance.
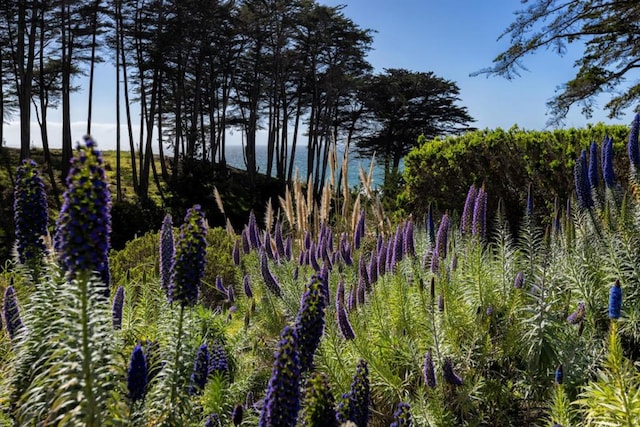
(234, 155)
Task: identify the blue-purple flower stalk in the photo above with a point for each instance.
(518, 282)
(282, 401)
(137, 375)
(479, 224)
(615, 301)
(189, 259)
(246, 286)
(581, 179)
(116, 308)
(167, 252)
(578, 315)
(269, 279)
(449, 374)
(467, 211)
(30, 214)
(594, 176)
(442, 236)
(428, 370)
(409, 248)
(279, 241)
(235, 253)
(608, 174)
(632, 147)
(309, 323)
(200, 371)
(84, 223)
(11, 312)
(559, 375)
(218, 360)
(402, 416)
(355, 404)
(341, 313)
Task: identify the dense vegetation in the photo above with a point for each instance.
(327, 313)
(440, 170)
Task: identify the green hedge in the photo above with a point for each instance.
(440, 171)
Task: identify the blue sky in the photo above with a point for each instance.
(452, 38)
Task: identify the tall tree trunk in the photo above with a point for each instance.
(118, 7)
(25, 78)
(67, 50)
(94, 30)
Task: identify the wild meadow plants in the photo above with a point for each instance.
(330, 313)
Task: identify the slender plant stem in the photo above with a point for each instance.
(176, 365)
(90, 417)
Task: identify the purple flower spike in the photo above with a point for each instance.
(581, 178)
(518, 282)
(373, 268)
(309, 323)
(279, 241)
(408, 239)
(189, 258)
(398, 244)
(268, 247)
(632, 147)
(429, 371)
(467, 212)
(84, 224)
(594, 176)
(431, 228)
(288, 248)
(237, 415)
(363, 274)
(246, 285)
(246, 242)
(218, 361)
(382, 259)
(402, 416)
(615, 301)
(220, 285)
(269, 279)
(559, 375)
(282, 401)
(11, 312)
(116, 308)
(30, 213)
(213, 420)
(578, 315)
(442, 236)
(479, 225)
(200, 371)
(449, 374)
(137, 376)
(254, 232)
(608, 174)
(166, 252)
(355, 404)
(235, 253)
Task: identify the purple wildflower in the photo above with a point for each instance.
(269, 279)
(391, 259)
(30, 213)
(518, 282)
(11, 312)
(313, 259)
(309, 323)
(402, 416)
(235, 253)
(429, 371)
(200, 370)
(307, 240)
(363, 274)
(288, 248)
(189, 258)
(408, 239)
(84, 222)
(361, 291)
(341, 313)
(594, 177)
(218, 361)
(615, 300)
(373, 268)
(559, 375)
(220, 285)
(253, 232)
(431, 228)
(213, 420)
(166, 252)
(246, 242)
(632, 147)
(608, 174)
(355, 404)
(345, 249)
(449, 374)
(282, 401)
(116, 308)
(467, 211)
(137, 376)
(442, 236)
(246, 286)
(382, 258)
(578, 315)
(583, 189)
(398, 244)
(441, 303)
(268, 246)
(479, 225)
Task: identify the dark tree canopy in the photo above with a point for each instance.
(610, 33)
(401, 105)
